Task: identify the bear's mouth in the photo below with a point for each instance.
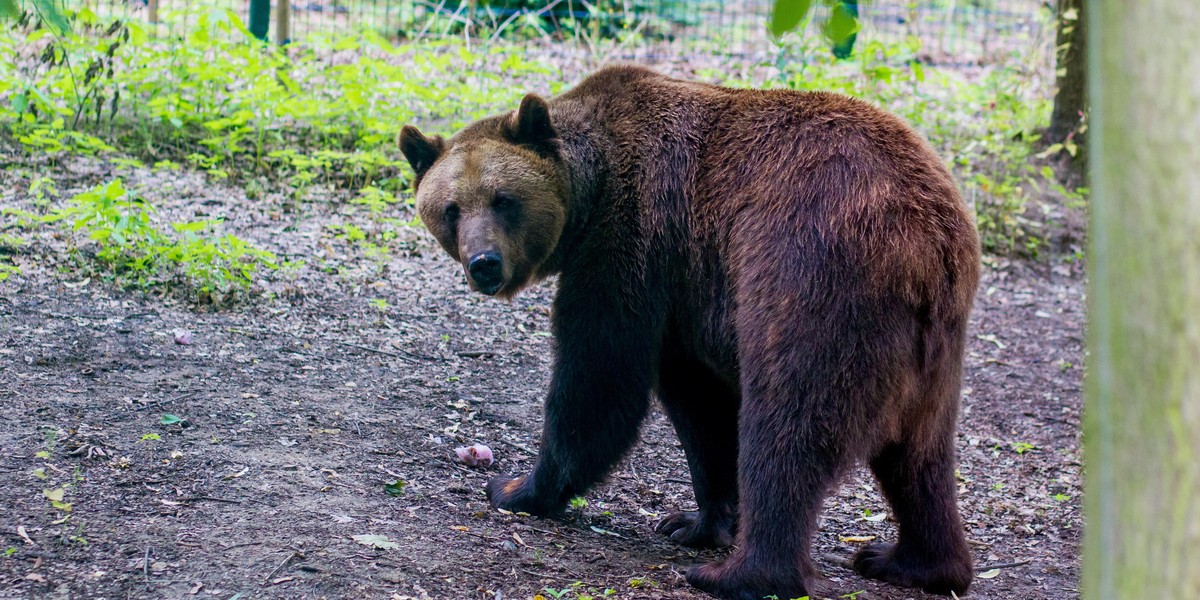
(489, 290)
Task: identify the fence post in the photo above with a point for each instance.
(260, 18)
(283, 25)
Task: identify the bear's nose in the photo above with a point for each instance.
(486, 270)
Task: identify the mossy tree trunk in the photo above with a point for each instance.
(1142, 417)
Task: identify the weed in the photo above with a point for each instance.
(112, 227)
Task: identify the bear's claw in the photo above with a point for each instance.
(696, 529)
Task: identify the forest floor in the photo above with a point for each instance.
(243, 463)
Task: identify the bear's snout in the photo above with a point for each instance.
(487, 271)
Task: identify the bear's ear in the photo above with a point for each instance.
(531, 124)
(418, 149)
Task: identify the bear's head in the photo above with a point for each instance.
(494, 195)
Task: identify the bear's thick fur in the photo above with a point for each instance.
(790, 273)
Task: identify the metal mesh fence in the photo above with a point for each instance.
(978, 31)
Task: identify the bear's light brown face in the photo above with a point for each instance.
(492, 198)
(493, 208)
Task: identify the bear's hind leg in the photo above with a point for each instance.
(917, 477)
(704, 413)
(785, 469)
(796, 433)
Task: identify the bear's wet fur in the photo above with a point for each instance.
(790, 273)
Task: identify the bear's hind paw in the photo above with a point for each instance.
(696, 530)
(888, 562)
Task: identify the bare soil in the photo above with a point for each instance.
(300, 407)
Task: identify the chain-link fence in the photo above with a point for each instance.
(980, 31)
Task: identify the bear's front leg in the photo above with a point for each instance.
(599, 394)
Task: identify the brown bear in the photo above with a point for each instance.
(789, 273)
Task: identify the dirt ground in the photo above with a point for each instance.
(298, 409)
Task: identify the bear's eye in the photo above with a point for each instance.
(452, 213)
(504, 201)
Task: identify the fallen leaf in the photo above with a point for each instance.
(875, 518)
(395, 488)
(991, 337)
(460, 528)
(183, 337)
(53, 495)
(989, 574)
(376, 541)
(605, 531)
(857, 539)
(35, 577)
(170, 419)
(281, 580)
(25, 536)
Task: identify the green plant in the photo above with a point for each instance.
(116, 226)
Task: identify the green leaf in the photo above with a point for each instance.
(20, 102)
(841, 24)
(10, 9)
(170, 419)
(48, 10)
(787, 15)
(395, 488)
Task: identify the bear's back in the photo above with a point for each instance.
(743, 174)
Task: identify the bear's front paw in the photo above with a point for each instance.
(697, 529)
(516, 495)
(736, 579)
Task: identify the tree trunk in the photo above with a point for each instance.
(1070, 98)
(283, 22)
(1142, 418)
